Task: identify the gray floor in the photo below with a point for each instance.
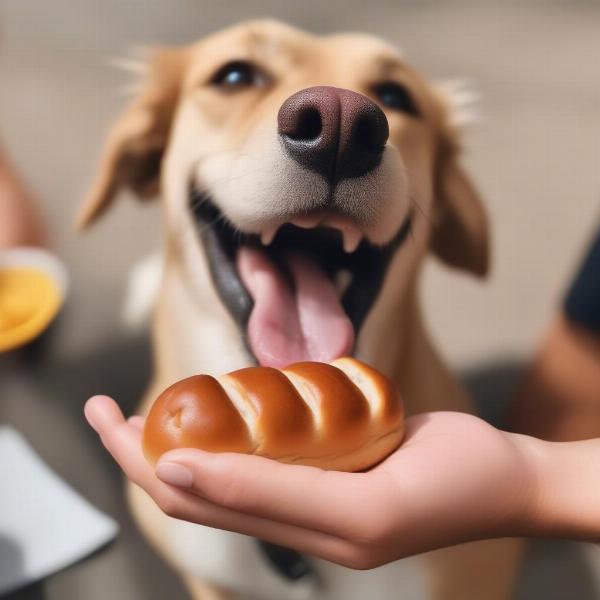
(535, 155)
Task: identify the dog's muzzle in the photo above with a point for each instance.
(334, 132)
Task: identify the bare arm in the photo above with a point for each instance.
(559, 398)
(20, 223)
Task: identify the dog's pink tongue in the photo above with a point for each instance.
(289, 325)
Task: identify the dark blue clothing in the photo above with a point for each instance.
(582, 304)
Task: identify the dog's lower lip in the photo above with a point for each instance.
(368, 263)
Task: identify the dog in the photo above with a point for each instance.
(303, 181)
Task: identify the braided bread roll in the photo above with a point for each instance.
(343, 416)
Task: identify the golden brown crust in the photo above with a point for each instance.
(195, 413)
(389, 410)
(344, 416)
(359, 459)
(342, 412)
(283, 420)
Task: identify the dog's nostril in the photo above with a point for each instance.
(308, 126)
(371, 131)
(335, 132)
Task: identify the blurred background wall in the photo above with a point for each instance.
(535, 153)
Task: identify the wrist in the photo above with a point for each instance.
(564, 498)
(523, 516)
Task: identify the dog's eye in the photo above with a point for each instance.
(397, 97)
(237, 74)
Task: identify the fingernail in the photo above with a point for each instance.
(174, 474)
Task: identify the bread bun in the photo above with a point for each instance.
(343, 416)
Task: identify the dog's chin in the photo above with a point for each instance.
(302, 295)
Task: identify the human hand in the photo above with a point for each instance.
(454, 479)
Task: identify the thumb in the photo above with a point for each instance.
(328, 501)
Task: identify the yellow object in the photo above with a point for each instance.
(29, 300)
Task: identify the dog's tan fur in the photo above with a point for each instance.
(223, 143)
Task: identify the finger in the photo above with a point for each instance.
(120, 437)
(328, 501)
(182, 505)
(102, 412)
(137, 422)
(122, 440)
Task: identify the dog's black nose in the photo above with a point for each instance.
(335, 132)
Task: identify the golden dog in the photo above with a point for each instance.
(303, 179)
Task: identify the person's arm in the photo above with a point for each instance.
(567, 503)
(559, 398)
(454, 479)
(20, 223)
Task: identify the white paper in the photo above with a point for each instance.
(44, 524)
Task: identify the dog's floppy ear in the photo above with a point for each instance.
(460, 233)
(133, 150)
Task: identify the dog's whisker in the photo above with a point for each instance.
(412, 236)
(205, 226)
(423, 212)
(219, 219)
(239, 176)
(197, 202)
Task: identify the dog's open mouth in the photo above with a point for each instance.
(300, 292)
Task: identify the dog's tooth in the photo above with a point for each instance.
(307, 221)
(351, 239)
(266, 237)
(343, 279)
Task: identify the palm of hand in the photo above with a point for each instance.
(455, 478)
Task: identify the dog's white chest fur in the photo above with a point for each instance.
(236, 562)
